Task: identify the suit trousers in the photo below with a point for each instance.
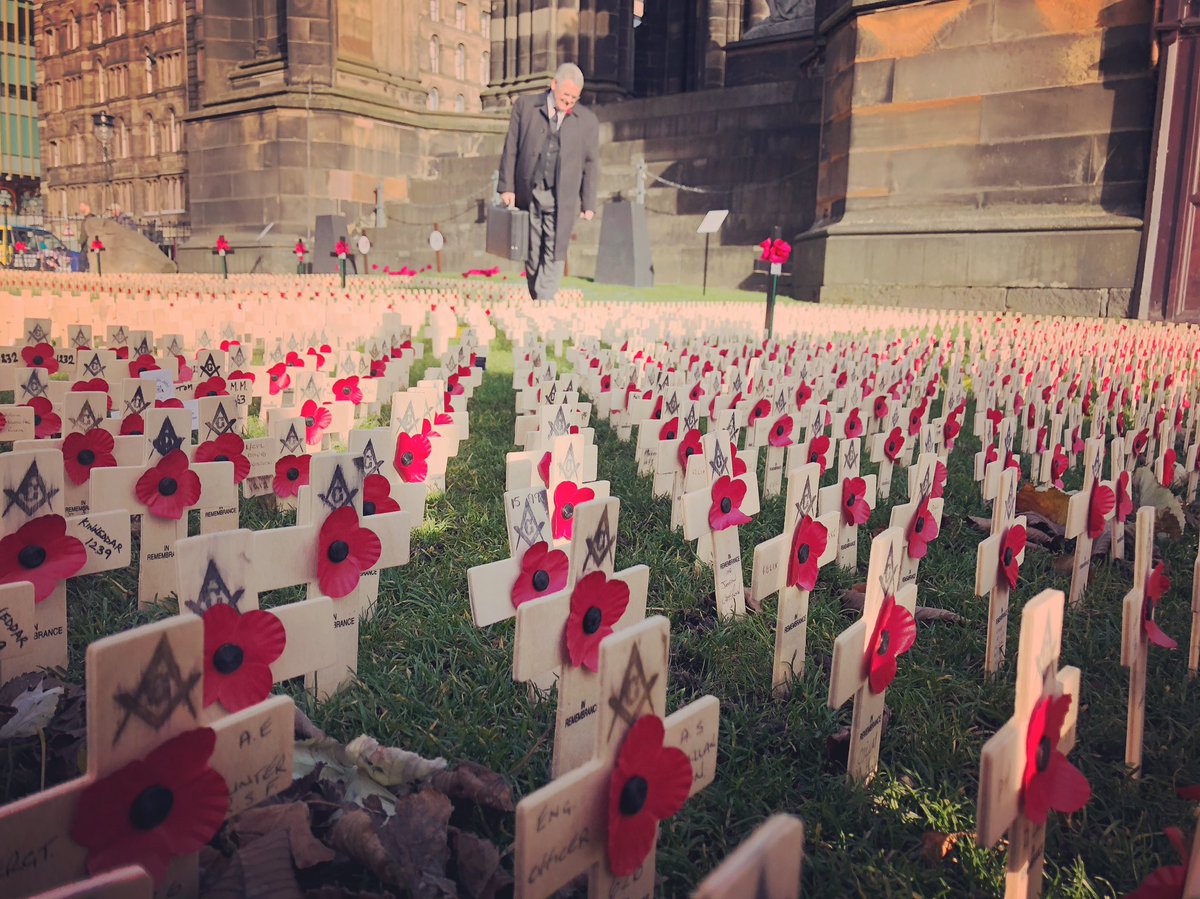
(542, 272)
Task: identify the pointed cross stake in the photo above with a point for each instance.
(712, 514)
(18, 623)
(855, 649)
(1092, 505)
(1136, 622)
(1194, 645)
(776, 563)
(562, 829)
(1121, 485)
(32, 486)
(765, 866)
(543, 639)
(836, 497)
(1003, 551)
(145, 687)
(1002, 765)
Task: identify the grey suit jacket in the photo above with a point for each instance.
(578, 161)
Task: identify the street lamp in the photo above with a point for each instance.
(102, 128)
(5, 251)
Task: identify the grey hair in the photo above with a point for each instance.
(568, 71)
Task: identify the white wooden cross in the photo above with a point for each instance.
(18, 622)
(1138, 631)
(1006, 801)
(854, 498)
(714, 512)
(766, 866)
(1121, 483)
(571, 826)
(40, 541)
(864, 654)
(671, 466)
(920, 518)
(145, 689)
(554, 631)
(1087, 512)
(785, 564)
(887, 448)
(376, 448)
(997, 565)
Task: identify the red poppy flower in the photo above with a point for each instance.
(95, 385)
(411, 457)
(83, 452)
(841, 381)
(895, 633)
(991, 454)
(1101, 504)
(566, 497)
(995, 416)
(378, 368)
(818, 451)
(939, 481)
(803, 395)
(649, 783)
(184, 370)
(1087, 405)
(606, 384)
(854, 426)
(1140, 441)
(42, 553)
(214, 386)
(166, 805)
(347, 390)
(344, 551)
(1157, 583)
(169, 488)
(916, 417)
(238, 652)
(318, 356)
(144, 362)
(597, 603)
(761, 410)
(291, 473)
(46, 422)
(689, 446)
(739, 465)
(1124, 499)
(880, 409)
(132, 424)
(1168, 468)
(225, 448)
(543, 571)
(122, 352)
(1049, 780)
(1012, 545)
(894, 445)
(316, 419)
(40, 356)
(809, 541)
(781, 431)
(726, 509)
(670, 430)
(922, 530)
(855, 510)
(278, 378)
(377, 496)
(172, 403)
(1168, 881)
(1058, 466)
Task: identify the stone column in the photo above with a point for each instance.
(756, 11)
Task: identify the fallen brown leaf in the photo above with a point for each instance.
(476, 864)
(472, 782)
(305, 729)
(416, 840)
(1049, 502)
(355, 835)
(982, 524)
(837, 744)
(262, 868)
(291, 818)
(854, 599)
(936, 845)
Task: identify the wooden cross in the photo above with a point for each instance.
(713, 513)
(923, 511)
(32, 485)
(538, 649)
(1003, 764)
(847, 496)
(18, 623)
(1087, 512)
(766, 866)
(145, 692)
(559, 827)
(1121, 479)
(671, 466)
(779, 566)
(998, 559)
(1138, 630)
(861, 653)
(376, 450)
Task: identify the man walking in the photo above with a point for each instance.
(549, 166)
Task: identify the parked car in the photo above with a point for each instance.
(43, 250)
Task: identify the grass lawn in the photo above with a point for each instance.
(431, 682)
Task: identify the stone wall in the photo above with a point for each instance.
(982, 153)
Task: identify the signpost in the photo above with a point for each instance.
(713, 220)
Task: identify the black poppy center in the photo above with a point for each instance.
(86, 458)
(37, 361)
(814, 456)
(310, 422)
(274, 377)
(670, 435)
(368, 507)
(541, 580)
(293, 474)
(851, 500)
(151, 807)
(338, 551)
(228, 658)
(802, 553)
(592, 619)
(689, 452)
(779, 430)
(633, 795)
(885, 640)
(406, 459)
(1044, 748)
(1008, 555)
(920, 525)
(37, 420)
(568, 511)
(726, 504)
(31, 556)
(222, 458)
(168, 486)
(345, 391)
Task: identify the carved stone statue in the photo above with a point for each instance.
(786, 16)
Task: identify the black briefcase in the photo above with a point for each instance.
(507, 232)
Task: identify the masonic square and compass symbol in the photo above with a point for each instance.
(161, 689)
(852, 455)
(136, 404)
(80, 339)
(889, 581)
(804, 507)
(120, 338)
(34, 386)
(210, 368)
(86, 420)
(167, 440)
(691, 421)
(38, 334)
(672, 405)
(600, 546)
(559, 426)
(290, 443)
(339, 494)
(569, 467)
(95, 367)
(530, 530)
(174, 348)
(369, 463)
(719, 464)
(214, 592)
(143, 348)
(219, 424)
(31, 495)
(408, 422)
(634, 695)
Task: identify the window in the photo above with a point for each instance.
(97, 25)
(55, 153)
(485, 68)
(77, 157)
(433, 10)
(170, 10)
(435, 52)
(151, 136)
(101, 78)
(460, 16)
(151, 67)
(51, 42)
(72, 32)
(171, 139)
(460, 62)
(122, 140)
(433, 98)
(147, 14)
(485, 24)
(118, 18)
(460, 103)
